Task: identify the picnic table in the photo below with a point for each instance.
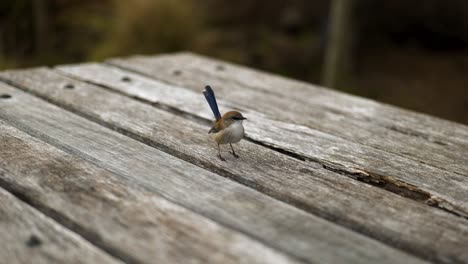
(111, 162)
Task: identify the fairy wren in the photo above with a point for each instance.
(228, 128)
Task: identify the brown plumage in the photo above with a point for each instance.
(227, 130)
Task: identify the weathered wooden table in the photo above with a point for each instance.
(111, 162)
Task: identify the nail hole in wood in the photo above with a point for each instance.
(5, 96)
(220, 67)
(440, 143)
(33, 241)
(177, 72)
(126, 79)
(69, 86)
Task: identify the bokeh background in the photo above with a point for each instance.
(413, 54)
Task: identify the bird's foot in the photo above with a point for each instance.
(235, 155)
(221, 158)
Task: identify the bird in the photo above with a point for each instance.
(227, 129)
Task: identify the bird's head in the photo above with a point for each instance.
(232, 117)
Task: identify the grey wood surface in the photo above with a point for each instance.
(347, 117)
(282, 227)
(397, 221)
(126, 220)
(28, 236)
(442, 187)
(328, 101)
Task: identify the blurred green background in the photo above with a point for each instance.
(412, 54)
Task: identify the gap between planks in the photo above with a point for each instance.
(29, 233)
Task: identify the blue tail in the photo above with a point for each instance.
(210, 97)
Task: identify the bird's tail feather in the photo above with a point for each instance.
(210, 97)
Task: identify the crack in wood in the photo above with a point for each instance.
(408, 132)
(398, 187)
(383, 182)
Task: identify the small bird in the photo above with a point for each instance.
(228, 128)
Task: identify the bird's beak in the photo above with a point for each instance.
(243, 118)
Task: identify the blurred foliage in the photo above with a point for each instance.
(70, 30)
(408, 53)
(150, 27)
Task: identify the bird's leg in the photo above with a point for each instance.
(219, 154)
(233, 152)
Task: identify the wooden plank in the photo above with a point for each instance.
(277, 224)
(29, 236)
(183, 63)
(385, 216)
(444, 189)
(415, 136)
(130, 222)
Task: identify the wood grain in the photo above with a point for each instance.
(398, 221)
(28, 236)
(430, 140)
(355, 107)
(132, 223)
(277, 224)
(444, 188)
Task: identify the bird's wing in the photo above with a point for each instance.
(218, 126)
